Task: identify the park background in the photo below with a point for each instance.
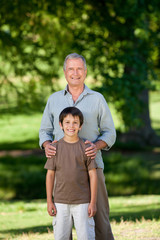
(120, 41)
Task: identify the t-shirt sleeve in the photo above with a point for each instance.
(90, 163)
(51, 163)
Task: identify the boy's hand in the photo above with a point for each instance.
(51, 208)
(50, 150)
(92, 150)
(92, 209)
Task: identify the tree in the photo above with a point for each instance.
(32, 43)
(119, 43)
(118, 38)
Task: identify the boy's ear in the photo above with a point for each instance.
(60, 125)
(80, 127)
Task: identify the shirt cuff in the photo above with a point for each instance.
(108, 141)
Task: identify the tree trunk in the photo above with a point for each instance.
(145, 135)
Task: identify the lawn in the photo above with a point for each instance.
(132, 218)
(19, 131)
(126, 174)
(133, 174)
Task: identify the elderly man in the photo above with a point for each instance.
(98, 129)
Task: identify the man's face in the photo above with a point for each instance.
(75, 72)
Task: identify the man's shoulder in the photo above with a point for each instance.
(93, 92)
(56, 94)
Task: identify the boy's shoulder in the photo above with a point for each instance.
(85, 145)
(54, 144)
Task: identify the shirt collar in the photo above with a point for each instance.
(85, 91)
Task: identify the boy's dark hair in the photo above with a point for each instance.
(73, 111)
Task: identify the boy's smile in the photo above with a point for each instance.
(71, 127)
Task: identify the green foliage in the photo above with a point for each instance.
(29, 53)
(121, 50)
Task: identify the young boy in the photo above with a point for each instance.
(76, 181)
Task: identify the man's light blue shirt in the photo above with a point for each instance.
(98, 123)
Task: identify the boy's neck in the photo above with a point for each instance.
(71, 139)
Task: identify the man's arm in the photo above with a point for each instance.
(107, 134)
(47, 126)
(49, 191)
(106, 124)
(93, 186)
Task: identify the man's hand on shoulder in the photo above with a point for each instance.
(92, 150)
(50, 150)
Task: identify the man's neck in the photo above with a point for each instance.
(75, 92)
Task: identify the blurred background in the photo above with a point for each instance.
(121, 43)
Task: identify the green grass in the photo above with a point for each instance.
(132, 172)
(126, 174)
(19, 131)
(135, 217)
(22, 177)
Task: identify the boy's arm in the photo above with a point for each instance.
(49, 190)
(93, 186)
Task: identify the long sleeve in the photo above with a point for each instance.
(106, 125)
(46, 128)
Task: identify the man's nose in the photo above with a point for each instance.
(75, 71)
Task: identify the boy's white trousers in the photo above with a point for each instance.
(69, 213)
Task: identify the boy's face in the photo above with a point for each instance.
(70, 125)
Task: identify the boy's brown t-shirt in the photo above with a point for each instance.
(71, 166)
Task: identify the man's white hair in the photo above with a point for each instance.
(74, 56)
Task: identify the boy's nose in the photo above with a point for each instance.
(71, 125)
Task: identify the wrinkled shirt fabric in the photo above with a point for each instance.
(98, 123)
